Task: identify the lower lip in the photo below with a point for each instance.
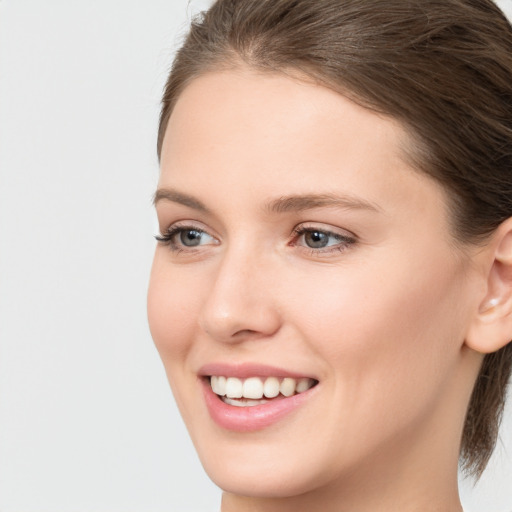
(257, 417)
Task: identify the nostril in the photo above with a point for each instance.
(233, 314)
(246, 333)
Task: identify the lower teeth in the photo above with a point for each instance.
(243, 402)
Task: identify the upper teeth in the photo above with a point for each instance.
(256, 388)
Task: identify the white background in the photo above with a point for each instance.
(87, 423)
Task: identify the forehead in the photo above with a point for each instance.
(273, 112)
(243, 95)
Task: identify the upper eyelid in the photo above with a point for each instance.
(188, 224)
(302, 230)
(327, 229)
(341, 239)
(177, 229)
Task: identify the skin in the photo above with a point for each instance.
(381, 321)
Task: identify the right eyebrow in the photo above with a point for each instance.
(169, 194)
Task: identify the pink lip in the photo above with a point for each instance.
(258, 417)
(246, 370)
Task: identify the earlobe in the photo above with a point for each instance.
(491, 327)
(489, 305)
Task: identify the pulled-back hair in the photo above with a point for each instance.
(443, 68)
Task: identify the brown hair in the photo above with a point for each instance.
(441, 67)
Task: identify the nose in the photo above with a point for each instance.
(241, 304)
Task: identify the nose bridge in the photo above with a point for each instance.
(240, 303)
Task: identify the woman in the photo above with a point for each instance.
(331, 293)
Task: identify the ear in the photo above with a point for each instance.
(491, 327)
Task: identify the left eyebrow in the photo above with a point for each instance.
(299, 203)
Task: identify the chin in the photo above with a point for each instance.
(264, 464)
(277, 479)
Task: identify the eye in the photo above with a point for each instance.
(321, 240)
(192, 237)
(318, 239)
(185, 237)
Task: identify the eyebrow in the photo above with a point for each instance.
(299, 203)
(284, 204)
(180, 198)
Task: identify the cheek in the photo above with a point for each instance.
(375, 307)
(391, 335)
(173, 305)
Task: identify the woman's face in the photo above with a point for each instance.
(301, 245)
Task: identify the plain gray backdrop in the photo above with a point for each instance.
(87, 422)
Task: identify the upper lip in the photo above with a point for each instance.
(246, 370)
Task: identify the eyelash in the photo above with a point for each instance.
(344, 242)
(167, 238)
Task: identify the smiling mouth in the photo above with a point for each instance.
(257, 391)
